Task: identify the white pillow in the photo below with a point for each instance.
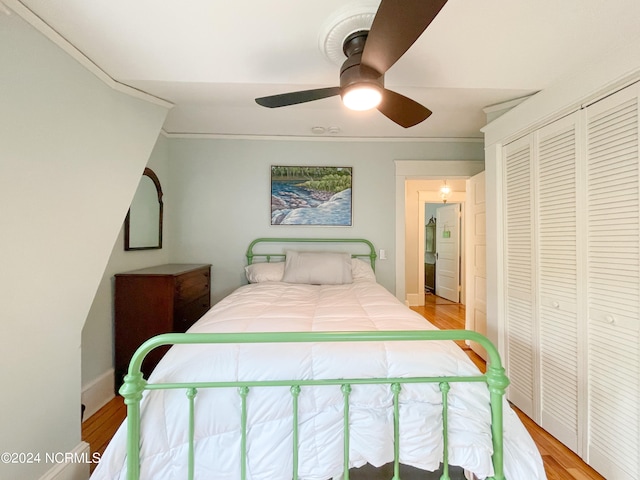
(317, 268)
(264, 272)
(361, 270)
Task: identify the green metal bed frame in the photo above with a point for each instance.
(134, 383)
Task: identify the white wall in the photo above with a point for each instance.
(71, 153)
(97, 334)
(222, 196)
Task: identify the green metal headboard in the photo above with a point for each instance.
(251, 254)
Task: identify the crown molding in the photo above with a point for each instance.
(35, 21)
(309, 138)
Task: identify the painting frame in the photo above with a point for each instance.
(311, 195)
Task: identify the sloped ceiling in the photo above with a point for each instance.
(211, 58)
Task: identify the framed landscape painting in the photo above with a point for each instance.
(311, 196)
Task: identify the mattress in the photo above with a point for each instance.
(282, 307)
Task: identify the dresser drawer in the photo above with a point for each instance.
(191, 286)
(154, 300)
(186, 315)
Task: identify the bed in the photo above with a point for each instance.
(311, 371)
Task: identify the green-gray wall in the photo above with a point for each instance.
(217, 199)
(71, 153)
(221, 196)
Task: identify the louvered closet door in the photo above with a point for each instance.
(519, 300)
(558, 279)
(613, 285)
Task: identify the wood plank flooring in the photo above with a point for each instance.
(98, 429)
(560, 462)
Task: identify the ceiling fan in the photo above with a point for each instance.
(370, 53)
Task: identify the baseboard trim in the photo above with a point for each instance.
(76, 468)
(98, 393)
(415, 300)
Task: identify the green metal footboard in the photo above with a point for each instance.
(134, 385)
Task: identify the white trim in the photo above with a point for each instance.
(438, 168)
(39, 24)
(495, 247)
(415, 300)
(508, 105)
(401, 287)
(98, 393)
(321, 138)
(75, 470)
(424, 197)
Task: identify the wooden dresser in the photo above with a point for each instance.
(162, 299)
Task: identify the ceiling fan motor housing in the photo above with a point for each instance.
(352, 72)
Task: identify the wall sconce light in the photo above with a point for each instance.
(445, 191)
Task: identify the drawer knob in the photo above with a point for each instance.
(555, 304)
(610, 319)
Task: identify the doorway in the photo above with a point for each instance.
(442, 250)
(413, 179)
(449, 255)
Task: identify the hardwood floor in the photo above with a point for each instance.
(560, 462)
(98, 429)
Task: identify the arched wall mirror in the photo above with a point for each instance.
(143, 224)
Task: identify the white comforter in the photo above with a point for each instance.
(287, 307)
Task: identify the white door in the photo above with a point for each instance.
(613, 284)
(521, 328)
(476, 248)
(448, 252)
(558, 274)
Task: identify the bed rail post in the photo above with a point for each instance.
(444, 388)
(191, 395)
(295, 394)
(346, 392)
(497, 383)
(131, 391)
(396, 388)
(243, 391)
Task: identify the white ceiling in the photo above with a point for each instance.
(211, 58)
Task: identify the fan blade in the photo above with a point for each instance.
(402, 110)
(396, 26)
(293, 98)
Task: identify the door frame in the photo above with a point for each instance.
(425, 197)
(416, 170)
(474, 272)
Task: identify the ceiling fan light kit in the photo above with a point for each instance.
(396, 26)
(361, 97)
